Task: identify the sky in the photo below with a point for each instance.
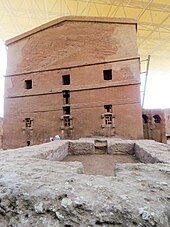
(157, 90)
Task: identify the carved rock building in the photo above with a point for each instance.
(156, 124)
(76, 77)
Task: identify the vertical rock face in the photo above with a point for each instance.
(167, 124)
(1, 131)
(156, 124)
(76, 77)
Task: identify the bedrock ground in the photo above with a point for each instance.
(37, 189)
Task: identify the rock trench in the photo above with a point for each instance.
(37, 189)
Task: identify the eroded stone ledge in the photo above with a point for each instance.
(37, 189)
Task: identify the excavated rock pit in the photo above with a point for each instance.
(100, 164)
(38, 189)
(101, 161)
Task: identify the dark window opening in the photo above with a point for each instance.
(28, 84)
(28, 122)
(157, 118)
(108, 108)
(66, 79)
(145, 118)
(67, 122)
(28, 143)
(66, 97)
(108, 119)
(66, 109)
(107, 74)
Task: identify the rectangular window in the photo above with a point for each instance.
(66, 121)
(108, 108)
(28, 84)
(107, 74)
(66, 110)
(108, 119)
(66, 97)
(28, 122)
(66, 79)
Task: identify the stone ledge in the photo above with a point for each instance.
(37, 190)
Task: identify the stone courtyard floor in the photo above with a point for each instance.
(100, 164)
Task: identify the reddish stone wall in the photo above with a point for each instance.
(167, 121)
(71, 44)
(83, 50)
(153, 129)
(85, 77)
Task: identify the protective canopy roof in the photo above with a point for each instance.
(153, 17)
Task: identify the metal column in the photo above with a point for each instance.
(146, 77)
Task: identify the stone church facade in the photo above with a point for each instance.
(76, 77)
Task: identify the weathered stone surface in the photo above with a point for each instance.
(80, 147)
(119, 146)
(155, 130)
(152, 152)
(56, 151)
(39, 192)
(1, 131)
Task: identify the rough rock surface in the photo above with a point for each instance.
(1, 131)
(80, 147)
(152, 152)
(38, 190)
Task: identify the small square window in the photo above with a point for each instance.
(66, 110)
(28, 122)
(108, 108)
(66, 79)
(28, 84)
(107, 74)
